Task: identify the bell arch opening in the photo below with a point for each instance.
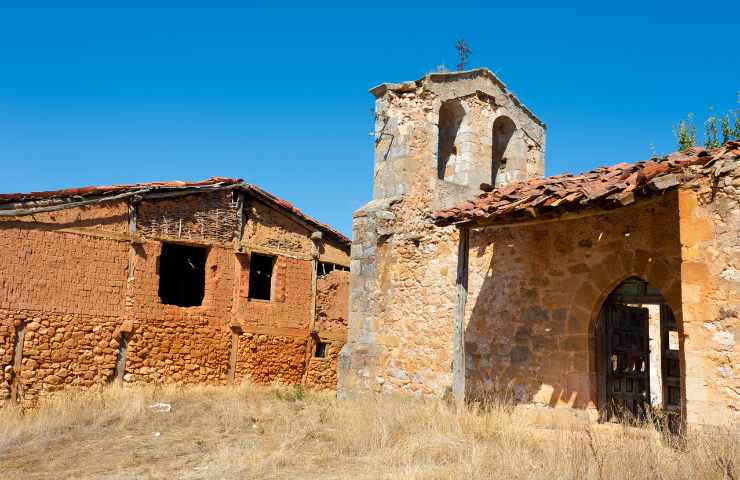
(502, 149)
(638, 354)
(451, 115)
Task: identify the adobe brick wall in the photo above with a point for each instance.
(332, 296)
(536, 290)
(77, 283)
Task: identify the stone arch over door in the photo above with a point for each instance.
(661, 273)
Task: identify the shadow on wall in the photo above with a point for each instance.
(533, 330)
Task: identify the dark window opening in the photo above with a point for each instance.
(322, 268)
(182, 275)
(260, 276)
(320, 350)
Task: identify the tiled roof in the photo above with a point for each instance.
(605, 187)
(72, 196)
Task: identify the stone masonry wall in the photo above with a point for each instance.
(536, 290)
(403, 271)
(710, 240)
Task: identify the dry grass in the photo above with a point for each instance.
(250, 432)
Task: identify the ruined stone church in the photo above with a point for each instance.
(473, 276)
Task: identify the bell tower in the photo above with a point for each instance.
(451, 132)
(437, 139)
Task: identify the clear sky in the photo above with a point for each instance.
(276, 92)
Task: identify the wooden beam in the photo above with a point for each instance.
(458, 335)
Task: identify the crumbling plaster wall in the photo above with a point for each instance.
(77, 283)
(535, 291)
(63, 281)
(710, 240)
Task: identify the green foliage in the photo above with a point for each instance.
(727, 132)
(711, 138)
(685, 133)
(717, 131)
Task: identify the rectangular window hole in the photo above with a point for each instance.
(260, 276)
(320, 350)
(182, 275)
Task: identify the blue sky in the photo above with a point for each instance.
(276, 92)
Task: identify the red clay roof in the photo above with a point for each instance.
(84, 193)
(605, 187)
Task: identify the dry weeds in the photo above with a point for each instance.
(252, 432)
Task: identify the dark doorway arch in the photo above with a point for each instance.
(638, 353)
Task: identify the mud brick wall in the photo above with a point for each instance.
(536, 290)
(291, 305)
(77, 283)
(322, 372)
(266, 359)
(332, 296)
(61, 272)
(180, 344)
(64, 280)
(710, 237)
(211, 216)
(267, 228)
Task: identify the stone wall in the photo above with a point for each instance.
(710, 240)
(403, 271)
(535, 292)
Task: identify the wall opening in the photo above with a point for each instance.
(260, 276)
(638, 354)
(503, 131)
(182, 275)
(323, 268)
(319, 350)
(451, 115)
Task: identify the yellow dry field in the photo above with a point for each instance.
(249, 432)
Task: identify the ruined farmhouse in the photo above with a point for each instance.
(473, 276)
(205, 282)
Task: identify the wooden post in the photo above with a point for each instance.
(458, 337)
(234, 354)
(121, 360)
(312, 331)
(15, 391)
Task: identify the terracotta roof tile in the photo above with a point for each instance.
(604, 187)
